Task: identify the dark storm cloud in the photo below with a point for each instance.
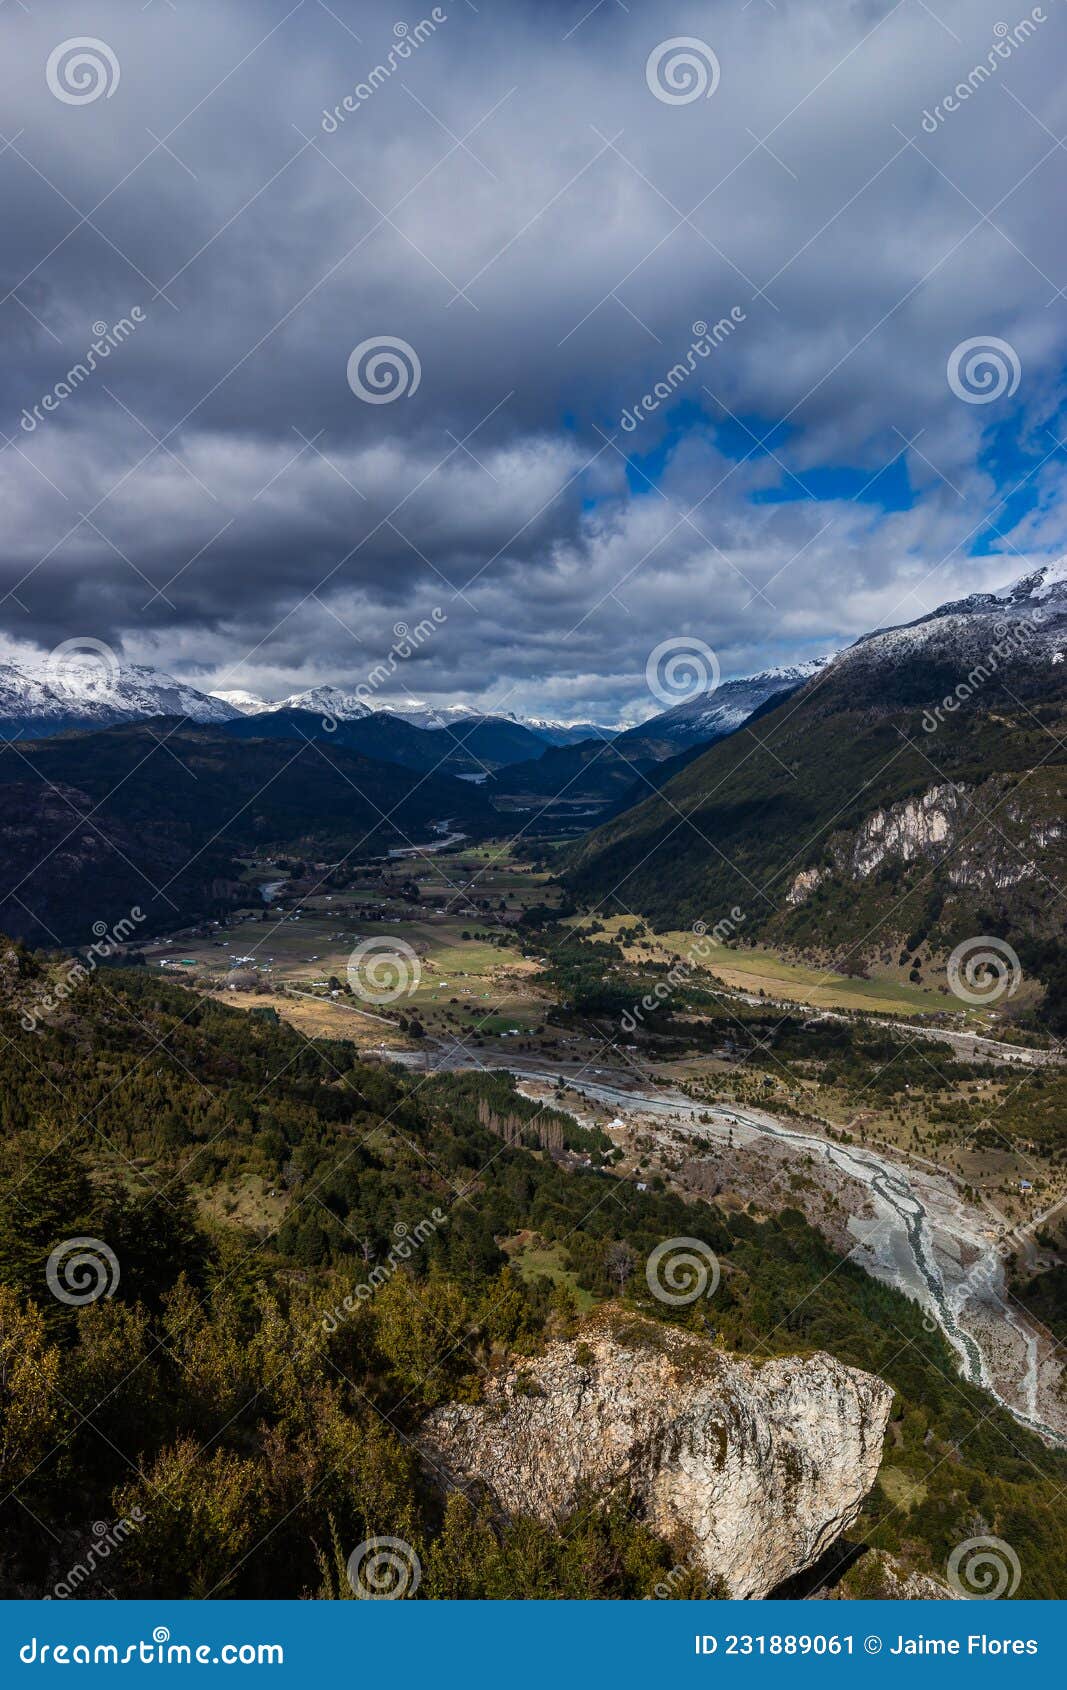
(512, 200)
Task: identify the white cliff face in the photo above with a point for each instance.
(750, 1471)
(944, 818)
(906, 830)
(917, 827)
(804, 884)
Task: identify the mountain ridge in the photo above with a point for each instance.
(159, 815)
(908, 796)
(93, 691)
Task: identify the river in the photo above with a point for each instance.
(921, 1237)
(440, 844)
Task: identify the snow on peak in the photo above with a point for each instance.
(1040, 583)
(85, 685)
(423, 715)
(712, 714)
(328, 701)
(789, 673)
(244, 703)
(551, 724)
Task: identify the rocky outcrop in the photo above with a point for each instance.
(880, 1577)
(907, 830)
(751, 1470)
(946, 823)
(804, 884)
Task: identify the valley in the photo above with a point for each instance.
(910, 1225)
(934, 1216)
(533, 833)
(379, 976)
(233, 1147)
(458, 911)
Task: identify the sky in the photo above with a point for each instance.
(543, 203)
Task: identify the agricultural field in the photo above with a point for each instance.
(457, 910)
(758, 970)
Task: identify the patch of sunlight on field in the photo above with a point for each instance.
(248, 1201)
(530, 1263)
(319, 1018)
(759, 970)
(902, 1489)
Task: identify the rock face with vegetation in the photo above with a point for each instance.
(750, 1470)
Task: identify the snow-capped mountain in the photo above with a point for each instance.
(326, 701)
(909, 794)
(430, 716)
(567, 733)
(244, 703)
(87, 687)
(1047, 582)
(349, 707)
(93, 690)
(423, 715)
(712, 715)
(1026, 620)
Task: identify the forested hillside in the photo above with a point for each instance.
(155, 814)
(251, 1428)
(843, 827)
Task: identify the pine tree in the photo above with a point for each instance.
(45, 1199)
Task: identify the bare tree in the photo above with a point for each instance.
(619, 1264)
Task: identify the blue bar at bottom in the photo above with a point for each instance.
(539, 1645)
